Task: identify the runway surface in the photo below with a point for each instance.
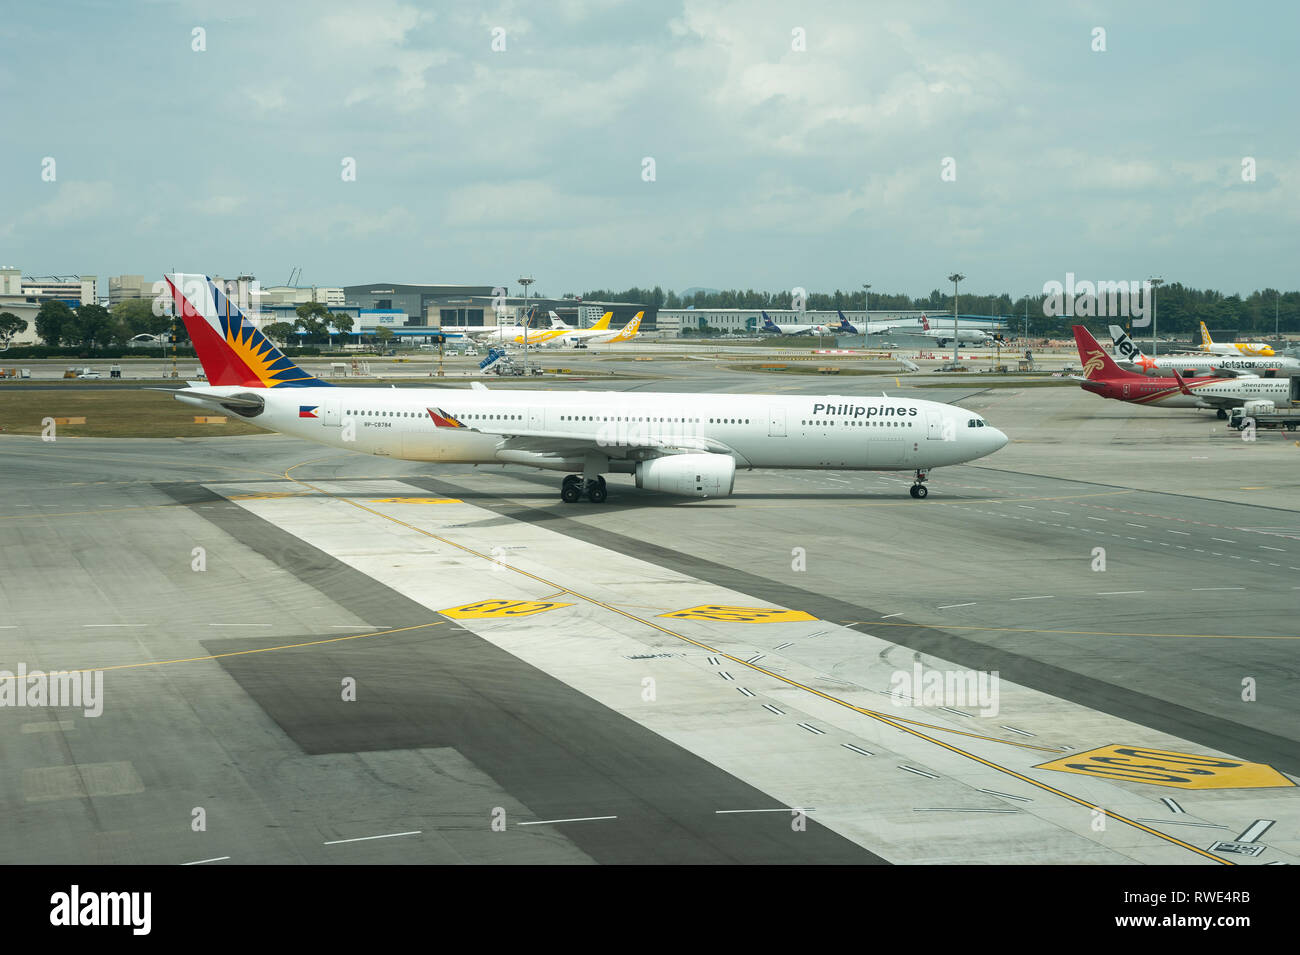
(658, 680)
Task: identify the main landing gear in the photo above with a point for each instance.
(1221, 414)
(919, 489)
(574, 488)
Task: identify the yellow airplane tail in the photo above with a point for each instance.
(629, 331)
(1206, 340)
(603, 323)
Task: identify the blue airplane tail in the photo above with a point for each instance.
(844, 324)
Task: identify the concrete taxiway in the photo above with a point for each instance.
(656, 679)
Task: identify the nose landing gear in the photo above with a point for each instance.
(573, 488)
(919, 490)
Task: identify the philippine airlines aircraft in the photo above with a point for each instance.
(1208, 344)
(1128, 355)
(1103, 377)
(964, 336)
(685, 444)
(797, 328)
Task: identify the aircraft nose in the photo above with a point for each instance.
(999, 440)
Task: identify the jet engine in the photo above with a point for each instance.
(691, 475)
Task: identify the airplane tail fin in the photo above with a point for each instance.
(557, 322)
(603, 323)
(845, 325)
(1206, 340)
(925, 323)
(230, 349)
(768, 324)
(1125, 347)
(630, 330)
(1096, 363)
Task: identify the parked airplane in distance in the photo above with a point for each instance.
(873, 328)
(1129, 356)
(796, 329)
(1103, 377)
(599, 333)
(943, 336)
(676, 443)
(1208, 344)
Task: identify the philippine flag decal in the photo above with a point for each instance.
(308, 411)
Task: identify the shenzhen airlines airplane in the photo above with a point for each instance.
(684, 444)
(1127, 352)
(1103, 377)
(1208, 344)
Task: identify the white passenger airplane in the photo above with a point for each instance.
(685, 444)
(1129, 355)
(942, 336)
(798, 328)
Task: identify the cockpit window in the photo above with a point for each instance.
(975, 423)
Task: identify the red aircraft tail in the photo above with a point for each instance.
(1097, 365)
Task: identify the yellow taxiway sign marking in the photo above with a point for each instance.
(501, 608)
(1162, 768)
(741, 614)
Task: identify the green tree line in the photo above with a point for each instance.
(1180, 309)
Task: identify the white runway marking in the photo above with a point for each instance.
(202, 861)
(965, 810)
(387, 835)
(1256, 829)
(730, 812)
(950, 606)
(1117, 593)
(1043, 597)
(551, 822)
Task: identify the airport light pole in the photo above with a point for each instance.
(1155, 284)
(955, 278)
(866, 311)
(525, 282)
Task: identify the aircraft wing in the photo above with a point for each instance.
(623, 440)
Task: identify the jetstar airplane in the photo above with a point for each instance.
(677, 443)
(1129, 356)
(796, 329)
(1103, 377)
(1208, 344)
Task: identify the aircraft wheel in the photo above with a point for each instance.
(596, 492)
(570, 492)
(1221, 414)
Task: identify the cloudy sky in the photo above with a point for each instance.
(773, 166)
